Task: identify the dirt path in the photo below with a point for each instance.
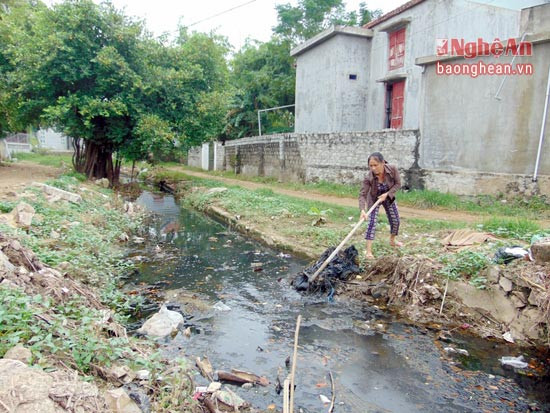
(405, 211)
(14, 176)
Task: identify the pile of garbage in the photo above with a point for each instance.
(341, 268)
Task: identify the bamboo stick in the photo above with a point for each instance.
(294, 357)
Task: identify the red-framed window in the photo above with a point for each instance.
(397, 49)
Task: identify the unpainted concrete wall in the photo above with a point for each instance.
(429, 21)
(194, 157)
(474, 131)
(342, 158)
(327, 100)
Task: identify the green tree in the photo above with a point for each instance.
(95, 74)
(309, 17)
(263, 76)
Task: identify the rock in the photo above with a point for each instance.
(25, 389)
(535, 297)
(54, 234)
(216, 190)
(20, 353)
(162, 323)
(103, 182)
(57, 193)
(493, 274)
(527, 324)
(518, 302)
(9, 284)
(123, 237)
(64, 265)
(22, 214)
(5, 263)
(247, 386)
(143, 374)
(119, 402)
(121, 374)
(493, 300)
(505, 284)
(541, 250)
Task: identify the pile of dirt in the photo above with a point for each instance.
(514, 305)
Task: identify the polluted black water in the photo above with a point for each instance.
(235, 296)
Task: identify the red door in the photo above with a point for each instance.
(397, 98)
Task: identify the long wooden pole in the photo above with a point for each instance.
(339, 247)
(294, 357)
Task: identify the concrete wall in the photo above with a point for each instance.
(194, 157)
(342, 158)
(327, 100)
(338, 157)
(473, 131)
(428, 21)
(50, 139)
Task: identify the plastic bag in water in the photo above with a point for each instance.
(516, 362)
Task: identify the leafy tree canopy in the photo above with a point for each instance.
(98, 76)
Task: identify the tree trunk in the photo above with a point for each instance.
(95, 161)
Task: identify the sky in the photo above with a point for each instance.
(249, 18)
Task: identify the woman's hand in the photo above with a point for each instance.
(363, 215)
(383, 197)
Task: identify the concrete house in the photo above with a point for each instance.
(473, 131)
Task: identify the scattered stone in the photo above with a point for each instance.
(162, 324)
(22, 214)
(535, 298)
(9, 284)
(121, 374)
(216, 190)
(505, 284)
(5, 263)
(57, 194)
(119, 402)
(20, 353)
(25, 389)
(493, 274)
(492, 300)
(541, 250)
(143, 374)
(54, 234)
(123, 237)
(247, 386)
(518, 302)
(103, 182)
(64, 265)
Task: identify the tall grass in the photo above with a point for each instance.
(517, 228)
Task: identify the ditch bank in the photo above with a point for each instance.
(513, 306)
(63, 341)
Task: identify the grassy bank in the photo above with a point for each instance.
(85, 240)
(319, 225)
(533, 208)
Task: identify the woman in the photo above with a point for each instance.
(382, 182)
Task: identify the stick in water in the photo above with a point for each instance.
(294, 357)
